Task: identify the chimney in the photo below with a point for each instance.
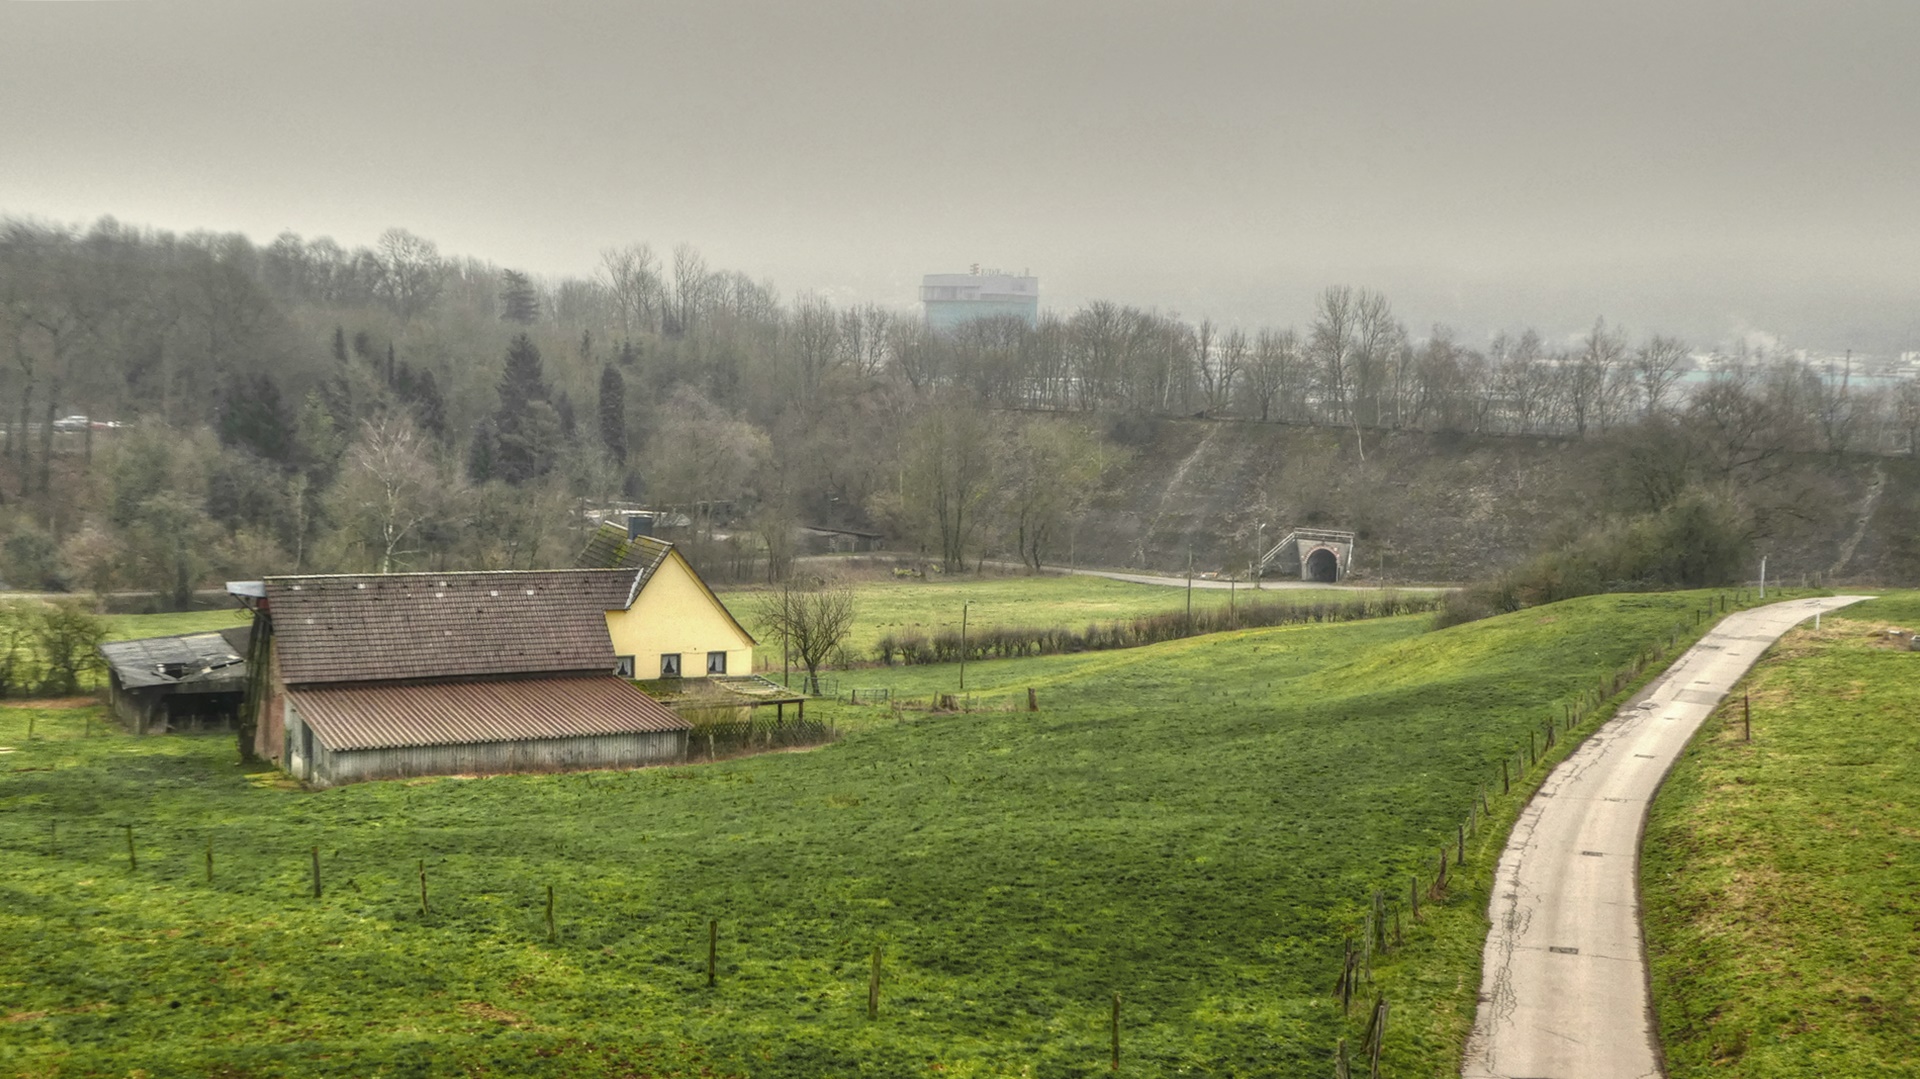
(639, 524)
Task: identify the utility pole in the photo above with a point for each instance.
(963, 644)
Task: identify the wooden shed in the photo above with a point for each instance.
(185, 682)
(384, 676)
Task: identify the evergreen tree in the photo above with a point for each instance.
(517, 300)
(340, 344)
(255, 416)
(569, 423)
(613, 413)
(480, 453)
(421, 391)
(525, 425)
(629, 355)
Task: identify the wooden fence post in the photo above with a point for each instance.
(1116, 1032)
(553, 931)
(424, 908)
(1505, 785)
(873, 986)
(133, 863)
(316, 872)
(1746, 714)
(209, 859)
(713, 949)
(1033, 700)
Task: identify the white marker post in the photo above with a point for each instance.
(1763, 576)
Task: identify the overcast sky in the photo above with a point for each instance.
(1709, 168)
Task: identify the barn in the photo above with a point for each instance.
(359, 677)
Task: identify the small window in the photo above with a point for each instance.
(623, 666)
(670, 665)
(716, 663)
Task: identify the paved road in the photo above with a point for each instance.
(1265, 584)
(1563, 992)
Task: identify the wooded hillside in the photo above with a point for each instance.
(301, 406)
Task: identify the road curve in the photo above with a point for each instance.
(1563, 987)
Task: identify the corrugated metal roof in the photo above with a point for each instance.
(474, 712)
(433, 625)
(165, 661)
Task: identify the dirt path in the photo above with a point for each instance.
(1563, 989)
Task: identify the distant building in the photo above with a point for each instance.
(955, 298)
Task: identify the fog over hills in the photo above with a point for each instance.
(1714, 170)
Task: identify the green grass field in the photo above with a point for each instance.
(1195, 826)
(122, 627)
(1782, 877)
(931, 606)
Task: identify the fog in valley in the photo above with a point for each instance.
(1720, 171)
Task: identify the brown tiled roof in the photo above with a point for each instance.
(609, 547)
(437, 625)
(468, 712)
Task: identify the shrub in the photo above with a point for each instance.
(68, 637)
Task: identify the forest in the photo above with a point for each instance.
(182, 408)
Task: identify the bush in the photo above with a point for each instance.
(69, 639)
(48, 648)
(1007, 642)
(30, 559)
(1697, 541)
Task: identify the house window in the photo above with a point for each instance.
(716, 663)
(623, 666)
(670, 665)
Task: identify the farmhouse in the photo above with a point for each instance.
(191, 681)
(380, 676)
(673, 626)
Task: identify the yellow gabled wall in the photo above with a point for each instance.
(676, 613)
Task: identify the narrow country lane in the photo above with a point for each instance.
(1563, 990)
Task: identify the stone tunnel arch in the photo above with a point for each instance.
(1323, 565)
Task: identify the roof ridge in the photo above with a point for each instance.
(447, 573)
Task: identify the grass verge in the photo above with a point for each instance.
(1781, 876)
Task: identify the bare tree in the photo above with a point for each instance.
(811, 618)
(1274, 369)
(1591, 379)
(410, 269)
(864, 334)
(632, 277)
(386, 491)
(813, 342)
(1220, 366)
(692, 283)
(1658, 365)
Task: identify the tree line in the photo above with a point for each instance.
(301, 406)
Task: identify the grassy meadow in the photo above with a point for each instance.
(1196, 826)
(929, 606)
(1781, 877)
